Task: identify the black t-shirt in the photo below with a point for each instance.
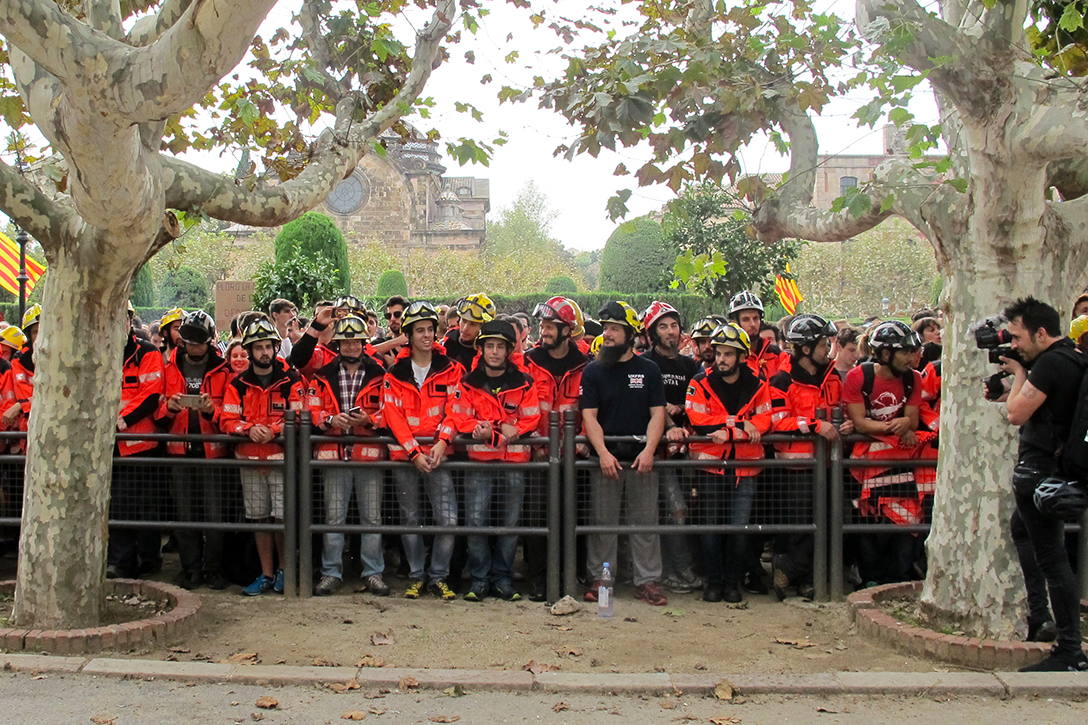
(676, 373)
(194, 380)
(1057, 374)
(623, 395)
(461, 353)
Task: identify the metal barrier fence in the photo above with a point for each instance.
(796, 496)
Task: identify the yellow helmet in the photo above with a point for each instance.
(1078, 328)
(731, 335)
(30, 317)
(476, 308)
(12, 336)
(350, 328)
(131, 309)
(175, 315)
(595, 346)
(622, 314)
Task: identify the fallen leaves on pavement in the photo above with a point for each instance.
(796, 644)
(444, 718)
(241, 658)
(724, 720)
(407, 683)
(455, 691)
(560, 707)
(342, 687)
(539, 667)
(379, 638)
(568, 651)
(104, 719)
(370, 660)
(377, 711)
(322, 662)
(267, 703)
(353, 715)
(724, 690)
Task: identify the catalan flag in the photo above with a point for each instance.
(788, 293)
(9, 267)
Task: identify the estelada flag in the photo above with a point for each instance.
(9, 267)
(788, 293)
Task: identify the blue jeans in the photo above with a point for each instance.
(509, 491)
(367, 483)
(726, 500)
(440, 492)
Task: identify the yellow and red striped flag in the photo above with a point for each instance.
(9, 267)
(788, 293)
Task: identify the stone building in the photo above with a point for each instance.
(402, 200)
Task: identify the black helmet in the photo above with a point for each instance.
(893, 335)
(197, 327)
(498, 330)
(1060, 498)
(621, 313)
(808, 328)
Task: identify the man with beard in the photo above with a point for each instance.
(556, 366)
(733, 407)
(802, 399)
(623, 395)
(882, 400)
(345, 397)
(254, 406)
(662, 323)
(168, 329)
(389, 346)
(497, 406)
(460, 342)
(701, 334)
(767, 358)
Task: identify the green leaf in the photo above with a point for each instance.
(887, 203)
(959, 185)
(899, 116)
(1071, 18)
(247, 112)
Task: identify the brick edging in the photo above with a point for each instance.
(985, 654)
(166, 627)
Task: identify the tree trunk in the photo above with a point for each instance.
(62, 557)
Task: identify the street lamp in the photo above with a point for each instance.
(21, 238)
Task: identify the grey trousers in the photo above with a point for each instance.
(640, 491)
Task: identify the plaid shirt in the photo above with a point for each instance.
(350, 385)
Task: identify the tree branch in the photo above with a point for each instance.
(150, 27)
(48, 222)
(310, 19)
(49, 36)
(104, 16)
(1056, 127)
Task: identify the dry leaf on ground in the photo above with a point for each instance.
(796, 644)
(353, 715)
(377, 711)
(369, 660)
(322, 662)
(342, 687)
(383, 638)
(455, 691)
(724, 720)
(103, 719)
(181, 650)
(724, 690)
(256, 716)
(560, 707)
(267, 703)
(407, 683)
(571, 651)
(668, 704)
(444, 718)
(539, 667)
(241, 658)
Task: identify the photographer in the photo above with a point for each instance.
(1042, 402)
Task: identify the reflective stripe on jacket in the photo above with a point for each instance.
(409, 411)
(247, 404)
(707, 413)
(517, 406)
(323, 402)
(142, 387)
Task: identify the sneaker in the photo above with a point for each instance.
(591, 593)
(753, 583)
(376, 586)
(188, 580)
(261, 585)
(538, 592)
(650, 594)
(477, 592)
(215, 580)
(1045, 632)
(415, 587)
(442, 590)
(327, 586)
(504, 589)
(675, 584)
(279, 583)
(1060, 662)
(779, 579)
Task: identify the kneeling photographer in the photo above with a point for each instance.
(1042, 402)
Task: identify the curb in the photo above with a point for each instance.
(942, 684)
(163, 628)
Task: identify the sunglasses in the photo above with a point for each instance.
(398, 314)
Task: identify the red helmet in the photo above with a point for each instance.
(656, 311)
(560, 309)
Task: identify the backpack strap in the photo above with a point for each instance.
(868, 379)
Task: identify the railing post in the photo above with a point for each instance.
(290, 505)
(1082, 556)
(836, 522)
(570, 506)
(305, 508)
(819, 513)
(554, 514)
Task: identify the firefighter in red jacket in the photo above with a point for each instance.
(12, 340)
(22, 372)
(196, 381)
(418, 393)
(497, 405)
(802, 400)
(254, 406)
(766, 358)
(345, 399)
(460, 342)
(132, 497)
(733, 407)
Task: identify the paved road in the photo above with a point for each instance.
(74, 699)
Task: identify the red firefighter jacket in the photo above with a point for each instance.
(515, 404)
(216, 378)
(247, 404)
(707, 413)
(409, 411)
(798, 401)
(323, 401)
(556, 393)
(768, 360)
(141, 390)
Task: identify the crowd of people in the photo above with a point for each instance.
(463, 381)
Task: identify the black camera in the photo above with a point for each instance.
(989, 337)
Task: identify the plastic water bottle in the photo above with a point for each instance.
(604, 593)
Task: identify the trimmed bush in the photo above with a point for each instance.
(391, 283)
(316, 237)
(184, 287)
(143, 288)
(561, 286)
(637, 259)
